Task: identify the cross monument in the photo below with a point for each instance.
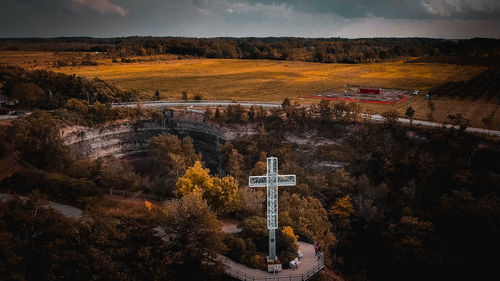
(272, 180)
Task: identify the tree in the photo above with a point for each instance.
(324, 110)
(157, 95)
(235, 164)
(432, 107)
(391, 118)
(168, 158)
(37, 139)
(170, 154)
(412, 241)
(255, 227)
(198, 97)
(340, 214)
(184, 95)
(410, 112)
(207, 115)
(286, 244)
(285, 105)
(217, 114)
(307, 217)
(251, 113)
(458, 120)
(28, 94)
(192, 236)
(77, 105)
(221, 193)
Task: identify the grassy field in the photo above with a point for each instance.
(266, 80)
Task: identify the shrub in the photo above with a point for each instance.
(58, 186)
(77, 105)
(4, 110)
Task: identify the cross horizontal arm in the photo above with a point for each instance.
(257, 181)
(286, 180)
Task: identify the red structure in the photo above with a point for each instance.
(370, 91)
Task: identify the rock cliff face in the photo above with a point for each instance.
(129, 137)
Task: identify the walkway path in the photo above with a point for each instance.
(310, 265)
(66, 210)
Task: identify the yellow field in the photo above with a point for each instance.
(266, 80)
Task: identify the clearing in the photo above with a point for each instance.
(268, 80)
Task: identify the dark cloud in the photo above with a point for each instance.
(207, 18)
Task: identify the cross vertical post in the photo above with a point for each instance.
(271, 181)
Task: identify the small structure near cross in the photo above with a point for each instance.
(271, 181)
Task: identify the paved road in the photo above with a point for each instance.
(66, 210)
(200, 103)
(374, 117)
(378, 117)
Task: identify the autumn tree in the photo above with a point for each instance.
(340, 214)
(285, 105)
(28, 94)
(286, 243)
(221, 193)
(193, 237)
(235, 164)
(168, 157)
(170, 152)
(307, 217)
(77, 105)
(38, 141)
(324, 110)
(391, 118)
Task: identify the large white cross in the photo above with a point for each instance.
(272, 180)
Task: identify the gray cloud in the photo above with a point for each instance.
(208, 18)
(465, 9)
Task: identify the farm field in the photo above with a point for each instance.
(267, 80)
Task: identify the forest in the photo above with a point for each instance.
(409, 203)
(476, 51)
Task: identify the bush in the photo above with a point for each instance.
(77, 105)
(58, 186)
(256, 261)
(4, 110)
(237, 247)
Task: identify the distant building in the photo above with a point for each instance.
(370, 91)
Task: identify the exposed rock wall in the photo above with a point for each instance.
(132, 136)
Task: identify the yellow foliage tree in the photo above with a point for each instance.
(339, 215)
(221, 194)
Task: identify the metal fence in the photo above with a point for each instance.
(241, 275)
(131, 194)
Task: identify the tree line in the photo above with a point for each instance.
(49, 90)
(329, 50)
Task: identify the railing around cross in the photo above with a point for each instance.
(244, 276)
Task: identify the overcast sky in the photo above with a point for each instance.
(241, 18)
